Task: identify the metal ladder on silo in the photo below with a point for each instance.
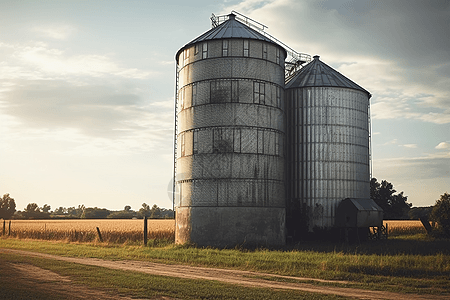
(177, 77)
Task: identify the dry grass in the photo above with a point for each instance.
(404, 227)
(112, 231)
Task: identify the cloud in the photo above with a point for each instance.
(425, 167)
(107, 111)
(412, 146)
(55, 62)
(37, 60)
(443, 145)
(54, 31)
(391, 142)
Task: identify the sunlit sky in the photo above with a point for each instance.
(87, 88)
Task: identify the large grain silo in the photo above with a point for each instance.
(327, 146)
(229, 162)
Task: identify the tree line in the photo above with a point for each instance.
(34, 211)
(394, 205)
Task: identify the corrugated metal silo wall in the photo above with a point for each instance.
(230, 162)
(327, 151)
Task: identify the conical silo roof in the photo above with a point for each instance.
(319, 74)
(229, 29)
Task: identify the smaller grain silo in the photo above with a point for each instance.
(328, 136)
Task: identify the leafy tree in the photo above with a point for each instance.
(126, 213)
(33, 211)
(415, 213)
(32, 208)
(60, 211)
(46, 208)
(122, 214)
(95, 213)
(394, 206)
(155, 212)
(144, 211)
(167, 213)
(7, 207)
(441, 213)
(76, 212)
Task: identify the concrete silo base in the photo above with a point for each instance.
(230, 226)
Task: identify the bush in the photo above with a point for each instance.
(441, 213)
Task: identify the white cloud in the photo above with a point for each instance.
(54, 62)
(409, 146)
(435, 165)
(391, 142)
(55, 31)
(443, 145)
(437, 118)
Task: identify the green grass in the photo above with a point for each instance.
(419, 265)
(134, 284)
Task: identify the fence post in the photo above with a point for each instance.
(4, 226)
(9, 228)
(145, 230)
(426, 224)
(99, 235)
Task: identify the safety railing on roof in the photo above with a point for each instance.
(294, 61)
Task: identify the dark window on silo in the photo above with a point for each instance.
(220, 91)
(246, 51)
(260, 138)
(205, 50)
(196, 49)
(195, 143)
(222, 140)
(235, 91)
(224, 48)
(277, 144)
(237, 140)
(264, 51)
(194, 94)
(182, 99)
(278, 96)
(258, 92)
(182, 144)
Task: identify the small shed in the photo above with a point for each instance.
(358, 213)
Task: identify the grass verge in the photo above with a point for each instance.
(132, 284)
(418, 265)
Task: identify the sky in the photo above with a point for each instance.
(87, 90)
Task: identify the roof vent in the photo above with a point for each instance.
(316, 57)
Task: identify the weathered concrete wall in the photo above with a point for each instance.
(230, 226)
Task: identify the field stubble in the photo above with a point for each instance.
(112, 231)
(404, 227)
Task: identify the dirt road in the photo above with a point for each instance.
(243, 278)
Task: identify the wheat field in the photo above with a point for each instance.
(131, 231)
(111, 230)
(399, 227)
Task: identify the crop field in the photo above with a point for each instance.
(131, 231)
(112, 230)
(404, 227)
